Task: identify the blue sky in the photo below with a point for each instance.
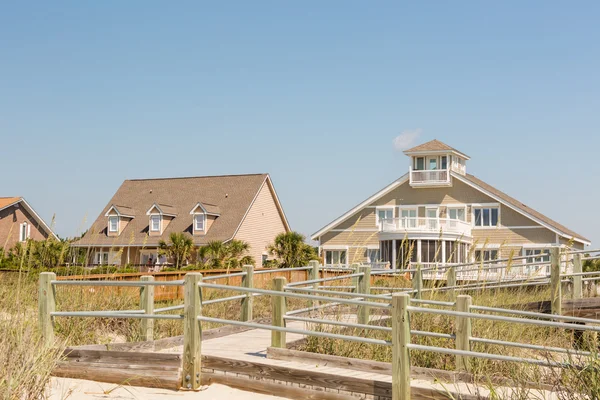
(92, 93)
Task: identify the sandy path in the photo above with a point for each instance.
(77, 389)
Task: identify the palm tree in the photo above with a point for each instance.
(217, 254)
(291, 251)
(179, 249)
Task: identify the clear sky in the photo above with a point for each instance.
(312, 92)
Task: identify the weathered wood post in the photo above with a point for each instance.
(417, 282)
(463, 332)
(147, 304)
(247, 302)
(312, 275)
(577, 279)
(46, 305)
(354, 278)
(451, 281)
(400, 350)
(278, 313)
(555, 284)
(364, 287)
(192, 331)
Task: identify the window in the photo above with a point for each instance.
(487, 255)
(431, 251)
(456, 213)
(373, 255)
(444, 162)
(544, 256)
(113, 224)
(155, 223)
(456, 252)
(433, 163)
(199, 222)
(485, 216)
(264, 258)
(384, 214)
(24, 232)
(419, 164)
(408, 217)
(102, 258)
(335, 257)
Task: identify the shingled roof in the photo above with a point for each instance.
(433, 145)
(230, 196)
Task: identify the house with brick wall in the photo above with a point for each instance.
(19, 222)
(206, 208)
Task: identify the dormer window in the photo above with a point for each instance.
(155, 223)
(199, 222)
(113, 223)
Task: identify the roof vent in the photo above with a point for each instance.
(226, 195)
(150, 190)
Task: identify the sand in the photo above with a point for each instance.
(78, 389)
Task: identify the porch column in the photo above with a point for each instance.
(128, 247)
(419, 251)
(443, 252)
(393, 253)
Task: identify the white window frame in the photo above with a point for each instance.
(101, 256)
(110, 220)
(152, 217)
(544, 252)
(378, 208)
(203, 218)
(484, 207)
(464, 208)
(411, 222)
(340, 251)
(24, 232)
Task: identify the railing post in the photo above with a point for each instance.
(147, 304)
(364, 287)
(46, 305)
(278, 313)
(314, 274)
(354, 283)
(463, 332)
(192, 331)
(247, 282)
(418, 282)
(400, 350)
(555, 286)
(451, 281)
(577, 279)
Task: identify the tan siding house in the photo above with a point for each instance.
(214, 208)
(263, 222)
(19, 222)
(437, 213)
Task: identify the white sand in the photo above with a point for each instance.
(78, 389)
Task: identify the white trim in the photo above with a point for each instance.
(393, 208)
(159, 223)
(203, 215)
(113, 207)
(517, 209)
(160, 211)
(436, 152)
(35, 215)
(336, 247)
(118, 218)
(524, 227)
(354, 230)
(486, 207)
(360, 206)
(488, 246)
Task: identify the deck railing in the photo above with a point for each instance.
(424, 224)
(358, 294)
(429, 176)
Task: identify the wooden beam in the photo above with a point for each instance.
(278, 312)
(364, 287)
(147, 304)
(247, 282)
(192, 332)
(555, 284)
(400, 352)
(46, 305)
(463, 332)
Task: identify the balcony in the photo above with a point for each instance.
(430, 177)
(437, 226)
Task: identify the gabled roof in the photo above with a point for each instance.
(209, 209)
(122, 211)
(229, 195)
(6, 202)
(434, 146)
(478, 184)
(164, 209)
